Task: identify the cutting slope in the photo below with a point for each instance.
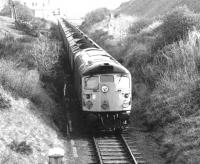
(152, 8)
(28, 108)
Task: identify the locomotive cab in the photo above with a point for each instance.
(106, 93)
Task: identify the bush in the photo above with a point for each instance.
(45, 53)
(34, 27)
(175, 27)
(31, 53)
(27, 27)
(178, 66)
(94, 17)
(21, 147)
(4, 102)
(54, 33)
(136, 27)
(25, 61)
(101, 37)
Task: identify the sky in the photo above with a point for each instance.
(76, 9)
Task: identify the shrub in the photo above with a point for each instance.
(27, 27)
(106, 41)
(26, 61)
(45, 53)
(34, 26)
(54, 33)
(94, 17)
(4, 102)
(139, 61)
(136, 27)
(173, 97)
(100, 37)
(175, 27)
(21, 147)
(28, 52)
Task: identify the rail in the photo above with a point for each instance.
(114, 149)
(128, 149)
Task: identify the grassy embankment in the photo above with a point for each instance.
(164, 62)
(30, 70)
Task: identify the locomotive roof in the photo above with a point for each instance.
(94, 61)
(89, 57)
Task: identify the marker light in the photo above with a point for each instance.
(126, 95)
(89, 104)
(126, 103)
(93, 97)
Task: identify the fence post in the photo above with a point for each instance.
(56, 156)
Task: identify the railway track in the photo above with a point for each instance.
(116, 149)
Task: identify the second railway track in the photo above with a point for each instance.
(116, 149)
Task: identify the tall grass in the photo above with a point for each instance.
(178, 69)
(174, 103)
(21, 80)
(175, 27)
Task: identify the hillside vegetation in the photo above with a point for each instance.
(94, 17)
(154, 8)
(163, 57)
(31, 84)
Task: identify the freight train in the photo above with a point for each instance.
(103, 86)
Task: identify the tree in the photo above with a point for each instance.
(94, 17)
(22, 12)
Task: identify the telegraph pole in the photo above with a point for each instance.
(9, 4)
(12, 9)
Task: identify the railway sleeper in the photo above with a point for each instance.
(117, 162)
(114, 157)
(108, 143)
(111, 146)
(115, 154)
(111, 150)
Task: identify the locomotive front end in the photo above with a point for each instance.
(107, 98)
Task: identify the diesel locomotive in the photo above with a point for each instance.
(103, 86)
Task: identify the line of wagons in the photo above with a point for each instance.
(102, 84)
